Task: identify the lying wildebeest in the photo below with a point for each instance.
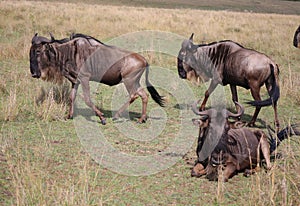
(296, 41)
(238, 149)
(83, 58)
(227, 62)
(208, 134)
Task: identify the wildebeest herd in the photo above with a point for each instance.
(82, 58)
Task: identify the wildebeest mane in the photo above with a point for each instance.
(217, 42)
(79, 35)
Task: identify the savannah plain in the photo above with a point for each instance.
(42, 161)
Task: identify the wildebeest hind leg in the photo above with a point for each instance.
(255, 94)
(277, 124)
(141, 92)
(265, 148)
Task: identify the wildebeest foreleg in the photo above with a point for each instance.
(198, 170)
(88, 101)
(210, 89)
(122, 109)
(72, 100)
(255, 94)
(229, 171)
(277, 124)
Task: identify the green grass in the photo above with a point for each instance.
(43, 162)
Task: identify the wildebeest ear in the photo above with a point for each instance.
(191, 37)
(200, 122)
(197, 122)
(237, 124)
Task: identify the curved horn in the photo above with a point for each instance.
(51, 36)
(230, 114)
(205, 113)
(191, 37)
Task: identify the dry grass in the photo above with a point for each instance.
(42, 161)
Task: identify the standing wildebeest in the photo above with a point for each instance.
(227, 62)
(296, 41)
(237, 150)
(83, 58)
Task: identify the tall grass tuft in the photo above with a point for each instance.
(53, 101)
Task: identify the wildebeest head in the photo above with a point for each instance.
(184, 57)
(296, 41)
(207, 115)
(35, 54)
(41, 57)
(212, 123)
(186, 62)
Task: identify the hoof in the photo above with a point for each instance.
(141, 121)
(196, 174)
(198, 170)
(251, 124)
(69, 117)
(116, 117)
(103, 121)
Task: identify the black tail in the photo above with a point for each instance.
(274, 94)
(282, 135)
(154, 94)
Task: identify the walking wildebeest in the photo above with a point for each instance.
(83, 58)
(296, 41)
(238, 149)
(227, 62)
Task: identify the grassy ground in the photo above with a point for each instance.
(266, 6)
(42, 161)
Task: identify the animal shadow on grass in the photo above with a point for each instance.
(87, 113)
(183, 106)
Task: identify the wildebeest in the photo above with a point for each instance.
(227, 62)
(83, 58)
(212, 123)
(296, 41)
(237, 150)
